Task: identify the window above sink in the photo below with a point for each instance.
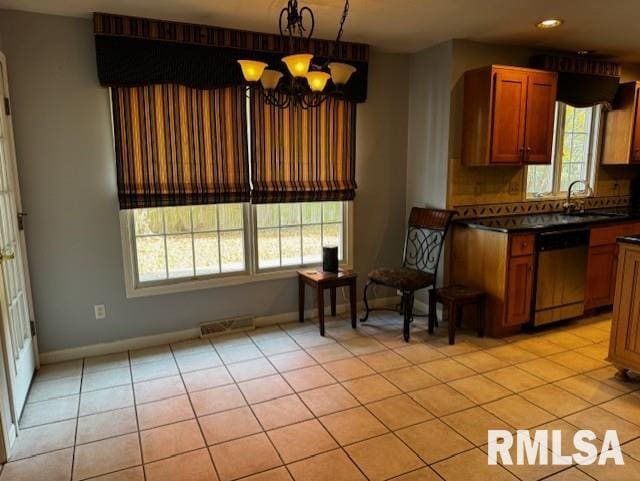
(577, 133)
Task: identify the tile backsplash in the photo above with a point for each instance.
(535, 206)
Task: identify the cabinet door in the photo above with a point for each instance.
(635, 139)
(519, 290)
(541, 102)
(625, 326)
(601, 276)
(509, 105)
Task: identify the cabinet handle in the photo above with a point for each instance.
(525, 244)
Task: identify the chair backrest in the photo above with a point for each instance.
(425, 237)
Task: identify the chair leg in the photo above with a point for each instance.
(433, 316)
(366, 302)
(407, 298)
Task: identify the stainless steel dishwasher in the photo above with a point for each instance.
(561, 275)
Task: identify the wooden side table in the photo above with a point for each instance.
(320, 281)
(456, 297)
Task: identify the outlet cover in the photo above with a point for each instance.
(100, 311)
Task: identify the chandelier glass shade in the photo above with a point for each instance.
(305, 82)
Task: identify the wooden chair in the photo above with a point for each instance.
(422, 248)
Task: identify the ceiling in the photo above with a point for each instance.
(609, 27)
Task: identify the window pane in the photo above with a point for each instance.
(332, 236)
(291, 246)
(148, 221)
(206, 251)
(232, 250)
(179, 256)
(230, 216)
(312, 213)
(290, 214)
(151, 258)
(177, 220)
(311, 244)
(268, 215)
(332, 212)
(268, 248)
(204, 218)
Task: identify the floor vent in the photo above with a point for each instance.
(226, 326)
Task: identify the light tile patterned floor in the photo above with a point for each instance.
(283, 403)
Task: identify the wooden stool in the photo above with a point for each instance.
(456, 297)
(320, 281)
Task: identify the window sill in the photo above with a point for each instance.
(224, 281)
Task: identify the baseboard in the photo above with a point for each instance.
(176, 336)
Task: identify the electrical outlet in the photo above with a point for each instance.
(100, 311)
(514, 187)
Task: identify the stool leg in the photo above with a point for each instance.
(353, 302)
(321, 309)
(300, 300)
(333, 301)
(432, 310)
(453, 316)
(480, 315)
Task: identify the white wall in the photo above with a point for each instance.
(428, 135)
(65, 157)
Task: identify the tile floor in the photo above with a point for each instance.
(283, 403)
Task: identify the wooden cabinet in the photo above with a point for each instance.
(508, 116)
(501, 265)
(621, 140)
(602, 262)
(519, 290)
(601, 280)
(624, 344)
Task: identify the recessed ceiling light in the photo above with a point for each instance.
(549, 23)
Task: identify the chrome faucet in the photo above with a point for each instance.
(576, 206)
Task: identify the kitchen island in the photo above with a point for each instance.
(540, 268)
(624, 347)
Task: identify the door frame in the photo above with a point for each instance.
(10, 427)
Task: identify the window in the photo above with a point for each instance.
(576, 137)
(293, 234)
(188, 242)
(177, 246)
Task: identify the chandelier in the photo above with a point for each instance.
(307, 80)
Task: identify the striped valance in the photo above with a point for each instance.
(133, 51)
(178, 146)
(302, 155)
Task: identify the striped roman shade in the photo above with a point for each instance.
(300, 155)
(177, 145)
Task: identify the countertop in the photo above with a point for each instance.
(544, 221)
(630, 239)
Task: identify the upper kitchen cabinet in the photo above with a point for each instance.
(508, 116)
(621, 144)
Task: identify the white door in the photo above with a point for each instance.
(15, 311)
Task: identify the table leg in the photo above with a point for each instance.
(300, 300)
(353, 302)
(321, 309)
(453, 320)
(333, 301)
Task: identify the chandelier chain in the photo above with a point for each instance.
(343, 19)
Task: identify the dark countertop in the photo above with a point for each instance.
(630, 239)
(553, 220)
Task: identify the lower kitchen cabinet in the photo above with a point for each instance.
(602, 262)
(519, 290)
(501, 265)
(624, 348)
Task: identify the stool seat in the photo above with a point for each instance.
(456, 297)
(459, 293)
